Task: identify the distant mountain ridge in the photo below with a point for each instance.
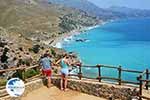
(105, 14)
(79, 4)
(130, 11)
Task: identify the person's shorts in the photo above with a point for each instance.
(47, 72)
(64, 71)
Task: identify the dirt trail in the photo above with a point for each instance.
(55, 94)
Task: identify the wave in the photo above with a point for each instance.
(71, 38)
(63, 41)
(93, 27)
(68, 39)
(58, 45)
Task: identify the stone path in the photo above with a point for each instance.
(54, 93)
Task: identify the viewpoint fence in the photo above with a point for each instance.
(143, 78)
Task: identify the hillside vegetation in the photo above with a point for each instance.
(39, 20)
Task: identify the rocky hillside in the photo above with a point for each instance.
(39, 20)
(84, 5)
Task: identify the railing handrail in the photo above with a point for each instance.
(11, 69)
(143, 73)
(132, 71)
(126, 70)
(108, 66)
(145, 80)
(17, 68)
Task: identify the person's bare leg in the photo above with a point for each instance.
(48, 82)
(61, 82)
(65, 84)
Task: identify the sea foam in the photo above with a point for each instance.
(58, 45)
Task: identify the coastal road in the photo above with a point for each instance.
(54, 93)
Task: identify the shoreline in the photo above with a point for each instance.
(57, 41)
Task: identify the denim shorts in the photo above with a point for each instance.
(64, 71)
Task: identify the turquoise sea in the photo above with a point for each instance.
(124, 42)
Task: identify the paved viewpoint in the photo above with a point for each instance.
(54, 93)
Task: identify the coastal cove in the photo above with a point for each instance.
(58, 41)
(123, 42)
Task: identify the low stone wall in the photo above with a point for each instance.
(85, 86)
(100, 89)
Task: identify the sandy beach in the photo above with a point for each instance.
(57, 41)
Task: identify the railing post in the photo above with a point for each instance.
(140, 87)
(147, 77)
(37, 68)
(80, 72)
(99, 72)
(119, 75)
(23, 74)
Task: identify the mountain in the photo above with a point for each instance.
(41, 20)
(79, 4)
(38, 20)
(104, 13)
(130, 12)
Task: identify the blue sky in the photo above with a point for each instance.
(140, 4)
